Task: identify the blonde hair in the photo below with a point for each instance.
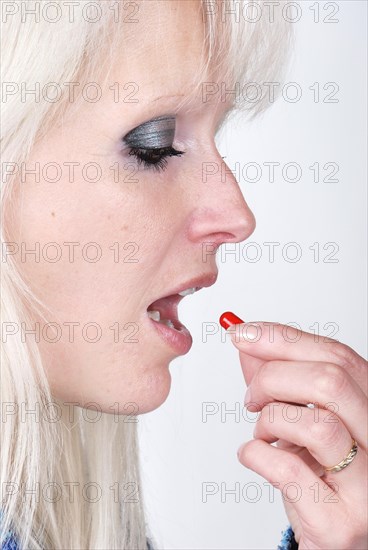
(40, 453)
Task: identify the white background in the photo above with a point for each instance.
(179, 451)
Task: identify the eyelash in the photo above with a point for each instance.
(148, 157)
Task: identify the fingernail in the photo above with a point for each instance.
(248, 333)
(251, 332)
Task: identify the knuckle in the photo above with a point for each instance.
(331, 381)
(288, 469)
(340, 353)
(327, 433)
(266, 373)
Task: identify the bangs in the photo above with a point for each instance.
(247, 49)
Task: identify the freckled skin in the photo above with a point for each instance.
(168, 216)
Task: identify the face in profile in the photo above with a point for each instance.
(121, 233)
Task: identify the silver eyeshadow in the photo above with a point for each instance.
(155, 133)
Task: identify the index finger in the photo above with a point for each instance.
(267, 341)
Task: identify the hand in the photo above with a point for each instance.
(284, 372)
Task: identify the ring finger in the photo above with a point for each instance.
(321, 432)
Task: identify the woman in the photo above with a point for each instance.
(111, 109)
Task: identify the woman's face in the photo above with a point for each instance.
(136, 234)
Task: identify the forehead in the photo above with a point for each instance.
(163, 50)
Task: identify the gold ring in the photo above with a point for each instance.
(350, 457)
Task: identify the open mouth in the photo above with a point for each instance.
(165, 310)
(163, 313)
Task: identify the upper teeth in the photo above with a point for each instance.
(155, 314)
(187, 291)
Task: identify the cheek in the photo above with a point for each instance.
(78, 234)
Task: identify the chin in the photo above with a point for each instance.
(155, 390)
(150, 392)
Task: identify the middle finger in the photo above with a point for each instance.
(324, 384)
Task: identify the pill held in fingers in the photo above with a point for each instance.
(228, 319)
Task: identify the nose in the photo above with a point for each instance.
(220, 214)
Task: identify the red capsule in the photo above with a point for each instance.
(228, 318)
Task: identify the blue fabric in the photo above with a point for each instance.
(10, 543)
(288, 541)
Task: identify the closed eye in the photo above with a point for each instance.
(154, 158)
